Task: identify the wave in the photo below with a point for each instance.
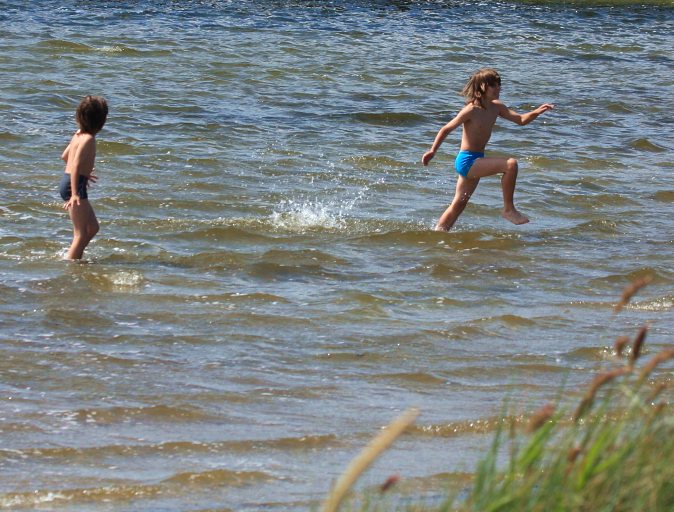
(61, 45)
(664, 196)
(466, 427)
(660, 304)
(375, 163)
(116, 148)
(644, 144)
(279, 271)
(126, 51)
(125, 491)
(10, 137)
(590, 354)
(176, 448)
(151, 413)
(660, 276)
(407, 119)
(218, 477)
(42, 498)
(406, 378)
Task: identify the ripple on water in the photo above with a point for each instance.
(643, 144)
(665, 196)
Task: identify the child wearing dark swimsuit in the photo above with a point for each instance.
(65, 189)
(79, 157)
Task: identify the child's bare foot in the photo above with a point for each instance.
(514, 216)
(438, 227)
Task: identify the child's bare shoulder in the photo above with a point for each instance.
(467, 110)
(498, 104)
(83, 138)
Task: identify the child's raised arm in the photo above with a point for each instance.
(460, 118)
(522, 119)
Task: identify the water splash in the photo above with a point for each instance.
(305, 216)
(301, 216)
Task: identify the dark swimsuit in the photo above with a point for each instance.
(64, 188)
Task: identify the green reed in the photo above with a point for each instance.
(613, 452)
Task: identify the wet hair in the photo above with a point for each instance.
(91, 114)
(477, 84)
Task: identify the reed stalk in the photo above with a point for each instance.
(366, 457)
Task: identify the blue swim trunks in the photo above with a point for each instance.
(66, 192)
(464, 161)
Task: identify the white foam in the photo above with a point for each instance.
(34, 499)
(299, 217)
(303, 215)
(111, 49)
(126, 279)
(662, 304)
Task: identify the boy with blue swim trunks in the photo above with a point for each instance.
(478, 117)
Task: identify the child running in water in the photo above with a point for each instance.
(79, 157)
(478, 118)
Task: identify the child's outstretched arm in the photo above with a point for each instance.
(522, 119)
(460, 118)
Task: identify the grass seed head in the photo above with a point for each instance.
(599, 381)
(638, 343)
(630, 290)
(539, 418)
(620, 344)
(390, 482)
(658, 358)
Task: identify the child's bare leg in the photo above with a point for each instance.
(85, 227)
(489, 166)
(508, 181)
(464, 189)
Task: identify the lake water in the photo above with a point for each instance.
(266, 290)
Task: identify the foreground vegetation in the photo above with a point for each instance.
(613, 451)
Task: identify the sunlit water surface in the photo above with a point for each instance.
(266, 290)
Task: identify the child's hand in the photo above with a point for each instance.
(545, 107)
(427, 157)
(74, 199)
(92, 178)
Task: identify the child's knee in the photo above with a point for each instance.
(511, 165)
(461, 199)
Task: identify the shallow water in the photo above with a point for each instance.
(266, 291)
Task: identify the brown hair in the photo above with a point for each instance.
(91, 114)
(477, 84)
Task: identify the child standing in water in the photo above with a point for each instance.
(79, 157)
(478, 118)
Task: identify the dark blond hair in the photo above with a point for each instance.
(477, 84)
(91, 114)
